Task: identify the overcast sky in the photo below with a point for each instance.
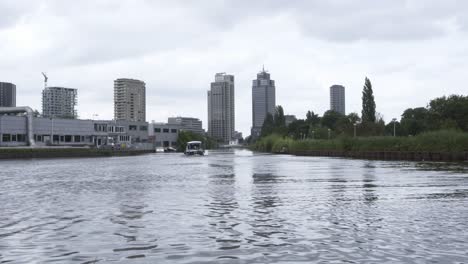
(412, 51)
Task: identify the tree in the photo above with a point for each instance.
(353, 118)
(330, 118)
(298, 129)
(268, 125)
(414, 121)
(449, 112)
(36, 113)
(279, 119)
(312, 118)
(368, 103)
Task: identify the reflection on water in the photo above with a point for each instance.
(232, 207)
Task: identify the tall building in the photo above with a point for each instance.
(129, 100)
(221, 117)
(7, 94)
(263, 101)
(59, 102)
(187, 123)
(337, 99)
(288, 119)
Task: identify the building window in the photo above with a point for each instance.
(77, 139)
(56, 138)
(21, 138)
(173, 130)
(13, 137)
(62, 138)
(157, 130)
(143, 128)
(165, 130)
(6, 137)
(132, 128)
(68, 138)
(174, 144)
(100, 127)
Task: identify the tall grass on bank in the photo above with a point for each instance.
(437, 141)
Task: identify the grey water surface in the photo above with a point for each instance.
(232, 207)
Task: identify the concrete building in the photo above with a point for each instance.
(337, 99)
(7, 94)
(263, 101)
(221, 111)
(59, 102)
(129, 100)
(164, 135)
(289, 119)
(72, 132)
(187, 124)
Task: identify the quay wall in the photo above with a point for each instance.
(32, 153)
(386, 155)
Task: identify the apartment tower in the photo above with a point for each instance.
(221, 118)
(337, 99)
(59, 102)
(7, 94)
(129, 100)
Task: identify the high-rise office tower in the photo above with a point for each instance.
(337, 99)
(129, 100)
(59, 102)
(263, 101)
(7, 94)
(221, 108)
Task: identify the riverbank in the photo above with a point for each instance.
(433, 146)
(31, 153)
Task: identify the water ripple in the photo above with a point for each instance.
(232, 207)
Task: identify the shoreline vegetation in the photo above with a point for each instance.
(444, 145)
(437, 132)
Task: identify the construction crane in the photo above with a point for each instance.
(45, 79)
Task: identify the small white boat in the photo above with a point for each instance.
(194, 148)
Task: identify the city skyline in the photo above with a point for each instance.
(398, 45)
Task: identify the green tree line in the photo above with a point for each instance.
(440, 114)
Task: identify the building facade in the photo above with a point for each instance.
(263, 101)
(59, 102)
(187, 123)
(337, 99)
(129, 100)
(164, 135)
(73, 132)
(7, 94)
(288, 119)
(221, 108)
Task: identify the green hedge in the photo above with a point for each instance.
(441, 141)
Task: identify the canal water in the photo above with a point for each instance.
(232, 207)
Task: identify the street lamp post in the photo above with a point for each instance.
(313, 134)
(394, 127)
(355, 124)
(329, 133)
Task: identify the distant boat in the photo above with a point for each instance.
(194, 148)
(170, 149)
